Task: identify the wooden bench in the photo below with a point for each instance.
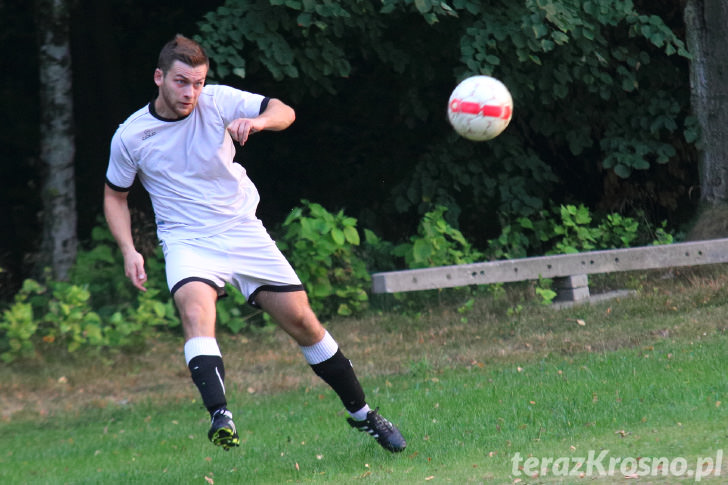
(568, 271)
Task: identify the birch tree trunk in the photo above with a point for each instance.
(706, 24)
(57, 143)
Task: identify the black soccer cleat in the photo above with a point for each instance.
(222, 430)
(381, 430)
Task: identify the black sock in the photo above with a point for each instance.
(338, 373)
(208, 373)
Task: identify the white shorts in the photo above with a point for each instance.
(244, 256)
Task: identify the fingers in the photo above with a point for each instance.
(135, 272)
(240, 129)
(140, 280)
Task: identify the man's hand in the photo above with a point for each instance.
(134, 270)
(276, 117)
(241, 128)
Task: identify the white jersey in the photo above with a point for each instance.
(187, 165)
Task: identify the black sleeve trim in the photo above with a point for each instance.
(116, 187)
(264, 104)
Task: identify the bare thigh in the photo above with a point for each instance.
(293, 314)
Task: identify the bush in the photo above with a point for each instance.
(99, 307)
(437, 243)
(320, 246)
(96, 308)
(234, 315)
(100, 267)
(60, 314)
(570, 229)
(53, 313)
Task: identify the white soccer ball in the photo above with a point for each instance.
(480, 108)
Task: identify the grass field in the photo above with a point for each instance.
(503, 391)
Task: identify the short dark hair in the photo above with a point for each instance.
(184, 50)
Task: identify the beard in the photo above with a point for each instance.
(173, 105)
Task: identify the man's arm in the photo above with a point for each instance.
(276, 117)
(116, 210)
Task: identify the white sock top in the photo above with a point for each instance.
(321, 351)
(201, 346)
(361, 414)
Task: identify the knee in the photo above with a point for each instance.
(306, 328)
(191, 312)
(197, 319)
(195, 302)
(304, 319)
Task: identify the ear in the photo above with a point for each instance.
(158, 77)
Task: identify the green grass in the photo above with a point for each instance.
(463, 425)
(644, 377)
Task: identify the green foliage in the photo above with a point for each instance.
(97, 308)
(54, 313)
(288, 38)
(598, 86)
(324, 248)
(477, 179)
(570, 50)
(70, 318)
(617, 231)
(603, 57)
(99, 265)
(320, 246)
(464, 309)
(544, 292)
(378, 253)
(437, 243)
(662, 236)
(574, 233)
(234, 314)
(516, 239)
(570, 229)
(17, 325)
(155, 310)
(59, 313)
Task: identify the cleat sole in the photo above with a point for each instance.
(225, 439)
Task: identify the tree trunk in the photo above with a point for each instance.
(706, 23)
(57, 143)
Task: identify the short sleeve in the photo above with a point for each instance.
(122, 170)
(233, 103)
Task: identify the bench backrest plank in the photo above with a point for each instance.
(591, 262)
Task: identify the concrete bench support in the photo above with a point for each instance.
(572, 288)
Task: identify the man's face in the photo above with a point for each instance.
(179, 89)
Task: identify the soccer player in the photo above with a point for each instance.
(181, 147)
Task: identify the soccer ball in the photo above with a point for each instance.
(480, 108)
